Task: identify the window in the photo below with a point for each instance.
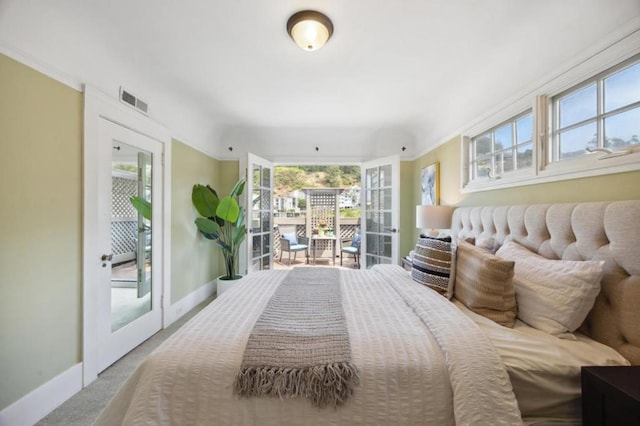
(564, 121)
(603, 112)
(502, 150)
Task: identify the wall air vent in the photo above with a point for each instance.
(133, 101)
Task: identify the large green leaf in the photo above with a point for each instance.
(228, 209)
(238, 188)
(225, 247)
(205, 200)
(223, 220)
(142, 206)
(240, 221)
(238, 235)
(207, 226)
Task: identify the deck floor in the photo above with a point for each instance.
(347, 262)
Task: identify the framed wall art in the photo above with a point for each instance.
(430, 185)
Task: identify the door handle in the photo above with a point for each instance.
(394, 230)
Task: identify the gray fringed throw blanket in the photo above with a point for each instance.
(300, 344)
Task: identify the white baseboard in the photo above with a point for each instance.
(41, 401)
(35, 405)
(190, 301)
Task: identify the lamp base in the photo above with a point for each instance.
(433, 233)
(436, 234)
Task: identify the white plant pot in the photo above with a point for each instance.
(224, 285)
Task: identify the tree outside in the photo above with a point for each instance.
(290, 180)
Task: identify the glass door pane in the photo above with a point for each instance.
(261, 213)
(131, 276)
(381, 204)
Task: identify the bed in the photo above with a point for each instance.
(545, 370)
(421, 359)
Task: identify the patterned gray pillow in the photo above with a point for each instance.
(433, 264)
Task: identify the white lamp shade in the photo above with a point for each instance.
(433, 217)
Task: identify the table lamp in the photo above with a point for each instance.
(433, 218)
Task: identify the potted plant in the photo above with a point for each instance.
(223, 222)
(322, 226)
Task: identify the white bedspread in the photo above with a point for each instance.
(544, 369)
(406, 378)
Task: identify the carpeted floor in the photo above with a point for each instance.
(83, 408)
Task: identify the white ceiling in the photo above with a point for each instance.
(395, 73)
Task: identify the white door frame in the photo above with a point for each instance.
(112, 345)
(98, 106)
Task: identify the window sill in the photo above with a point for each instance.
(499, 183)
(585, 167)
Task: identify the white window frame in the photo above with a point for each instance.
(608, 57)
(494, 174)
(554, 151)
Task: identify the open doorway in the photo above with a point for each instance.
(320, 207)
(379, 201)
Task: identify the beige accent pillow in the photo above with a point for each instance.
(484, 284)
(554, 296)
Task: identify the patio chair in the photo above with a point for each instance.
(352, 249)
(292, 243)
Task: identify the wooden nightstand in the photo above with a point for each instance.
(611, 396)
(406, 263)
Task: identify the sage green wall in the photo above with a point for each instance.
(229, 175)
(194, 259)
(40, 229)
(619, 186)
(407, 208)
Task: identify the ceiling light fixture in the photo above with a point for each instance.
(310, 29)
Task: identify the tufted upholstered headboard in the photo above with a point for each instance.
(608, 231)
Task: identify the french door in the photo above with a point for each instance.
(380, 201)
(259, 213)
(126, 259)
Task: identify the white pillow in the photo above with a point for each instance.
(554, 296)
(490, 244)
